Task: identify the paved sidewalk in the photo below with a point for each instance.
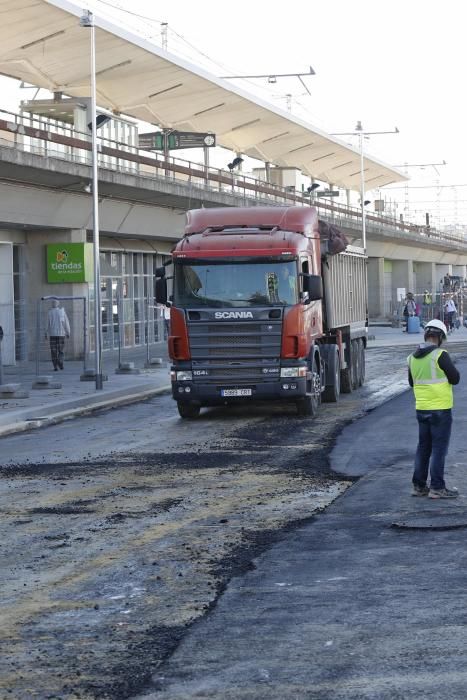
(75, 397)
(385, 335)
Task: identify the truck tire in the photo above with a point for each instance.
(308, 405)
(355, 363)
(361, 353)
(346, 381)
(346, 374)
(188, 410)
(333, 374)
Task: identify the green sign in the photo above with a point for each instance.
(157, 140)
(69, 262)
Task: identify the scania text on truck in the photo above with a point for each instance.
(260, 310)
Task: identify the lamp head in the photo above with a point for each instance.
(86, 19)
(235, 163)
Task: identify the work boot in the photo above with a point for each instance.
(443, 493)
(420, 490)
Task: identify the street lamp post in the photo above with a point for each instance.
(361, 135)
(87, 20)
(362, 184)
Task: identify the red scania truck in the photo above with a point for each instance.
(261, 311)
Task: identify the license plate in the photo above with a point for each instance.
(236, 392)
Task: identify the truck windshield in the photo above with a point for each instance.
(235, 284)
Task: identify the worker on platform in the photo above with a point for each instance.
(432, 374)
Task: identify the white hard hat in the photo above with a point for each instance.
(437, 326)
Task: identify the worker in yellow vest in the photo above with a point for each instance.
(432, 374)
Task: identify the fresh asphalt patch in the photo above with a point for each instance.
(348, 606)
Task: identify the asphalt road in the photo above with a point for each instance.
(122, 529)
(367, 602)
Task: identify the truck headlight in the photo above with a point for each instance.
(184, 376)
(287, 372)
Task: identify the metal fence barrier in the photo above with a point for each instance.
(433, 306)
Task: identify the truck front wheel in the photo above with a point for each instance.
(308, 405)
(188, 410)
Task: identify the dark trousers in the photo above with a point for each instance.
(434, 431)
(57, 343)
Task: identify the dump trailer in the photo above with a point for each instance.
(260, 310)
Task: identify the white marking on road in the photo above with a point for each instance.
(338, 578)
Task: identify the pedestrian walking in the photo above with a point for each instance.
(58, 328)
(450, 311)
(432, 375)
(410, 308)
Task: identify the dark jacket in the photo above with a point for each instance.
(444, 362)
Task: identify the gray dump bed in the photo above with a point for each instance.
(345, 288)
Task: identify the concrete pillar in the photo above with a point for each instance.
(80, 118)
(79, 121)
(426, 277)
(7, 320)
(459, 271)
(402, 276)
(376, 287)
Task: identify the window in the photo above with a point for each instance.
(240, 284)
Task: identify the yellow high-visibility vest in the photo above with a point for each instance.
(430, 384)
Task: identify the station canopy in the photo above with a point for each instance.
(42, 43)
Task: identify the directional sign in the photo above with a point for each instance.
(329, 193)
(174, 140)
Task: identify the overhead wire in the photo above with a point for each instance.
(179, 38)
(128, 12)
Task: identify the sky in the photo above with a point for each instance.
(388, 64)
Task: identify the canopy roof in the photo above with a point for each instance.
(42, 42)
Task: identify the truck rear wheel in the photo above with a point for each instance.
(361, 364)
(188, 410)
(355, 363)
(333, 374)
(348, 375)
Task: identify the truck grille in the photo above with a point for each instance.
(253, 347)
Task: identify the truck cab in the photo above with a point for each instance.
(246, 309)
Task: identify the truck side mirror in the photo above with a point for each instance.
(313, 286)
(160, 271)
(161, 291)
